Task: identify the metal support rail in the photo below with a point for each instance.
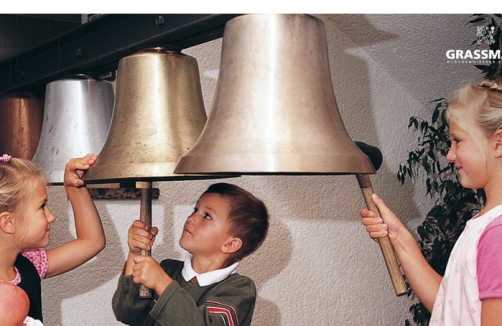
(96, 46)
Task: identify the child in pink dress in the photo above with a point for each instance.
(470, 292)
(25, 221)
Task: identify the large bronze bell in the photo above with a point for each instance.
(78, 111)
(21, 117)
(274, 109)
(158, 115)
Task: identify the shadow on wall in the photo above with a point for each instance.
(349, 36)
(99, 270)
(261, 269)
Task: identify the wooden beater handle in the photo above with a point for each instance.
(389, 255)
(145, 217)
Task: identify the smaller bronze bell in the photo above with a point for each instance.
(158, 115)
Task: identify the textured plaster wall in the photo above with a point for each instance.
(318, 266)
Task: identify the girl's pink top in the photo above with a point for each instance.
(39, 258)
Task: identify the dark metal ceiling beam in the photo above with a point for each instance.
(97, 46)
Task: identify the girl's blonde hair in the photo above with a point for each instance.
(477, 106)
(18, 178)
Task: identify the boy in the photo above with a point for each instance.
(228, 224)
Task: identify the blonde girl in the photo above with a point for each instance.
(470, 292)
(25, 221)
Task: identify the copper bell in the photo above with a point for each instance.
(20, 124)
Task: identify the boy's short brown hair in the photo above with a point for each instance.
(248, 218)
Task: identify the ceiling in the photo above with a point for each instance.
(411, 47)
(21, 32)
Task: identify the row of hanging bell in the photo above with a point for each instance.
(72, 119)
(274, 111)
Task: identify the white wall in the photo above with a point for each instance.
(317, 266)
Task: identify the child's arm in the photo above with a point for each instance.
(423, 279)
(491, 312)
(90, 235)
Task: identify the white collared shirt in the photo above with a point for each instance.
(207, 278)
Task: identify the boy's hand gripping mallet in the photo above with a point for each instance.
(145, 217)
(389, 255)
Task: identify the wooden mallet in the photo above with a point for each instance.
(396, 275)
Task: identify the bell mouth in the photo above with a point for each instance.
(276, 164)
(138, 172)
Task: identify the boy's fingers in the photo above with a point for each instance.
(140, 225)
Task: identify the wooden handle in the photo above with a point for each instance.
(386, 247)
(145, 217)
